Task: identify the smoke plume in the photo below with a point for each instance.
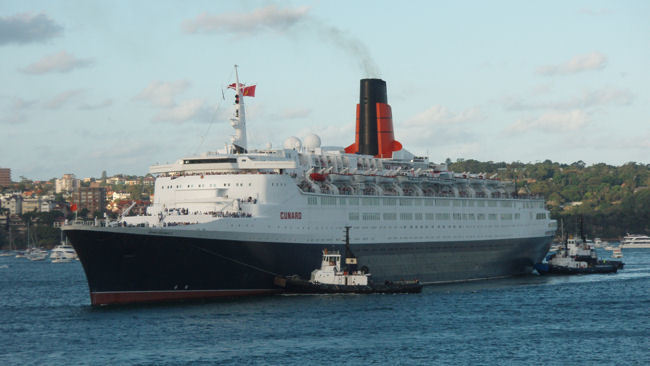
(284, 21)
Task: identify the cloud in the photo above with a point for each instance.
(588, 99)
(100, 105)
(61, 62)
(162, 94)
(27, 28)
(552, 122)
(580, 63)
(185, 111)
(283, 20)
(61, 99)
(259, 20)
(13, 118)
(16, 111)
(18, 104)
(438, 126)
(440, 115)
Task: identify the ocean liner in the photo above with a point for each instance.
(226, 223)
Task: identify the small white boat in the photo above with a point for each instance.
(330, 272)
(36, 254)
(598, 243)
(63, 253)
(33, 253)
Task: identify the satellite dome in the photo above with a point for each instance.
(312, 141)
(292, 143)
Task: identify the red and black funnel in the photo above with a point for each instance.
(374, 134)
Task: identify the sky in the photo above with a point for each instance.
(88, 86)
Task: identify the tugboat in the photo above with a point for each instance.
(577, 257)
(331, 279)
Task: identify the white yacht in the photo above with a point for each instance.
(635, 241)
(63, 252)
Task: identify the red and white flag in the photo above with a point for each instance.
(246, 91)
(249, 91)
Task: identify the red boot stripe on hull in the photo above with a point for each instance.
(127, 297)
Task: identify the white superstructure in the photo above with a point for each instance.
(310, 195)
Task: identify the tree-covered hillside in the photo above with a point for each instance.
(612, 199)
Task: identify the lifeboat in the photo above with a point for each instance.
(317, 177)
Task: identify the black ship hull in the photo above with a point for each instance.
(130, 266)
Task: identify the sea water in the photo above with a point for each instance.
(46, 318)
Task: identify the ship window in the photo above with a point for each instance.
(456, 203)
(390, 216)
(492, 204)
(405, 202)
(442, 216)
(354, 201)
(470, 203)
(457, 216)
(418, 202)
(541, 216)
(418, 216)
(342, 201)
(353, 216)
(370, 216)
(429, 216)
(428, 202)
(390, 202)
(328, 201)
(406, 216)
(480, 203)
(442, 202)
(517, 216)
(312, 200)
(492, 216)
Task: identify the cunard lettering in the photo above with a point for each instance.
(291, 215)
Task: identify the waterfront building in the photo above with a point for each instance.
(14, 203)
(67, 184)
(91, 198)
(5, 177)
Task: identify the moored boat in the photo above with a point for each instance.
(63, 252)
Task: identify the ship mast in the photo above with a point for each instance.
(238, 120)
